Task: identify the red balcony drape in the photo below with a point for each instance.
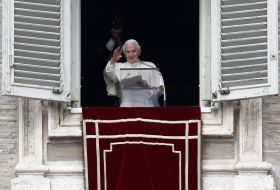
(142, 148)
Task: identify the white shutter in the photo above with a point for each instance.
(36, 49)
(244, 46)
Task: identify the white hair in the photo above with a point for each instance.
(131, 41)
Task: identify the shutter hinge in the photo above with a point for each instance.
(11, 61)
(224, 91)
(214, 95)
(57, 90)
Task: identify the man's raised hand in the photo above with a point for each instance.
(116, 55)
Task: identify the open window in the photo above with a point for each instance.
(39, 55)
(167, 34)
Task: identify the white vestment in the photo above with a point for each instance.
(123, 83)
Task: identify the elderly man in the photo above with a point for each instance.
(138, 83)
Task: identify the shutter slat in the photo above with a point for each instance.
(244, 75)
(37, 68)
(240, 14)
(37, 6)
(246, 20)
(245, 62)
(37, 34)
(52, 2)
(247, 68)
(37, 75)
(244, 27)
(244, 13)
(244, 34)
(38, 41)
(38, 27)
(249, 18)
(244, 48)
(35, 54)
(36, 13)
(40, 48)
(243, 6)
(244, 55)
(37, 61)
(226, 47)
(38, 82)
(250, 32)
(238, 2)
(244, 41)
(37, 20)
(245, 82)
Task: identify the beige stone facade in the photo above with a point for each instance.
(41, 146)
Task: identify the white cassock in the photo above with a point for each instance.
(123, 83)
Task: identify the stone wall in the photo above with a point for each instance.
(271, 135)
(8, 132)
(271, 131)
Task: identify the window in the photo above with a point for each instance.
(168, 38)
(38, 58)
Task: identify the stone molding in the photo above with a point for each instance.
(253, 173)
(61, 122)
(220, 122)
(32, 171)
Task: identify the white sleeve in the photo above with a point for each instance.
(110, 67)
(111, 79)
(110, 72)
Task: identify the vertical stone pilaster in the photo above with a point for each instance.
(30, 169)
(30, 126)
(252, 171)
(250, 131)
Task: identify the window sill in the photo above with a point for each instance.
(205, 109)
(79, 110)
(75, 110)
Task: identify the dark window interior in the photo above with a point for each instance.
(168, 34)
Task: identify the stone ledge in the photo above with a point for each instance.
(253, 168)
(24, 169)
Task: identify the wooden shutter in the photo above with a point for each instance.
(36, 49)
(244, 39)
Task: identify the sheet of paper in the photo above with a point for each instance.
(131, 82)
